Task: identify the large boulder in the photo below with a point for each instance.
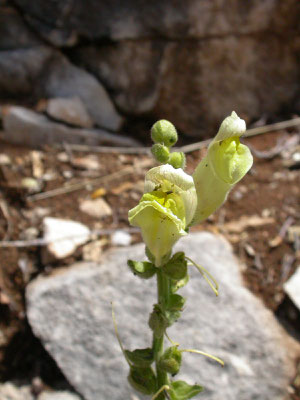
(196, 83)
(64, 23)
(191, 62)
(70, 312)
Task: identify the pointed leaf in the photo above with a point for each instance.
(140, 357)
(176, 302)
(176, 267)
(143, 269)
(181, 390)
(143, 380)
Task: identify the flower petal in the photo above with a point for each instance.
(167, 178)
(160, 227)
(232, 126)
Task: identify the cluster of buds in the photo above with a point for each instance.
(164, 136)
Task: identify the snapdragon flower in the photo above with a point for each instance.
(174, 200)
(165, 210)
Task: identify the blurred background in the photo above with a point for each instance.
(81, 83)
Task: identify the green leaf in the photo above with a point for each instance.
(176, 285)
(176, 302)
(140, 357)
(143, 269)
(143, 380)
(170, 361)
(181, 390)
(176, 267)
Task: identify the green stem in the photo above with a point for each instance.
(163, 292)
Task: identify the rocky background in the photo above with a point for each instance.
(127, 64)
(100, 73)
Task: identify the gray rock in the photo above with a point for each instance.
(11, 391)
(23, 126)
(132, 71)
(196, 83)
(69, 110)
(135, 19)
(66, 80)
(190, 62)
(58, 396)
(20, 70)
(14, 34)
(71, 313)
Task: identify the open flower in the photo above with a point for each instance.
(174, 200)
(165, 210)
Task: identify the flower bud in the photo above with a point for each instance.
(170, 361)
(164, 132)
(160, 152)
(226, 162)
(177, 160)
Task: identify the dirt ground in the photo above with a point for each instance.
(258, 220)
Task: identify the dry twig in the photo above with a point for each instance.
(188, 148)
(92, 182)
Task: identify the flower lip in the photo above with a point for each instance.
(168, 179)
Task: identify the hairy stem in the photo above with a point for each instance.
(163, 292)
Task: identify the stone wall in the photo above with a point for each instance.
(192, 62)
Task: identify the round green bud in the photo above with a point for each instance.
(164, 132)
(177, 160)
(170, 361)
(160, 152)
